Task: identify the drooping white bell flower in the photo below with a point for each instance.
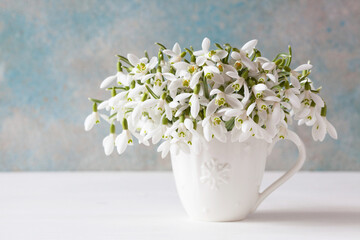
(92, 119)
(213, 126)
(124, 139)
(120, 77)
(109, 141)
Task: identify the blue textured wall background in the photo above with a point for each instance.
(54, 54)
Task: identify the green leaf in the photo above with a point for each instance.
(124, 59)
(151, 92)
(161, 46)
(123, 88)
(95, 100)
(219, 46)
(230, 124)
(206, 88)
(112, 115)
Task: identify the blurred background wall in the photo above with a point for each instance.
(54, 54)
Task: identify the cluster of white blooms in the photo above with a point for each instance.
(195, 96)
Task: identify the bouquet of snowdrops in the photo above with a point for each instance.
(186, 97)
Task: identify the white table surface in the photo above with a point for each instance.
(145, 205)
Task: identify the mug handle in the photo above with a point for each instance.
(292, 136)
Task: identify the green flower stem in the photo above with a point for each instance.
(162, 47)
(124, 59)
(151, 92)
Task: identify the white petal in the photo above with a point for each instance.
(205, 44)
(294, 100)
(181, 96)
(121, 142)
(134, 60)
(317, 99)
(236, 55)
(331, 129)
(146, 77)
(176, 49)
(169, 52)
(268, 65)
(189, 124)
(295, 81)
(233, 74)
(271, 76)
(302, 67)
(200, 60)
(215, 91)
(272, 98)
(107, 81)
(221, 53)
(249, 46)
(211, 69)
(260, 87)
(211, 108)
(152, 63)
(198, 53)
(207, 132)
(169, 76)
(109, 144)
(90, 122)
(235, 103)
(181, 66)
(195, 79)
(195, 106)
(250, 109)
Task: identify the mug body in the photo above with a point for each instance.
(222, 182)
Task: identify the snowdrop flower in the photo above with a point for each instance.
(237, 84)
(222, 99)
(119, 76)
(189, 100)
(164, 148)
(321, 126)
(109, 141)
(175, 53)
(124, 139)
(92, 119)
(205, 54)
(213, 126)
(195, 101)
(141, 66)
(242, 55)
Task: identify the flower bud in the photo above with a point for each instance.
(323, 111)
(164, 120)
(112, 128)
(125, 124)
(256, 118)
(95, 107)
(132, 85)
(163, 96)
(113, 92)
(277, 62)
(287, 69)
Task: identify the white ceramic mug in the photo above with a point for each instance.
(222, 182)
